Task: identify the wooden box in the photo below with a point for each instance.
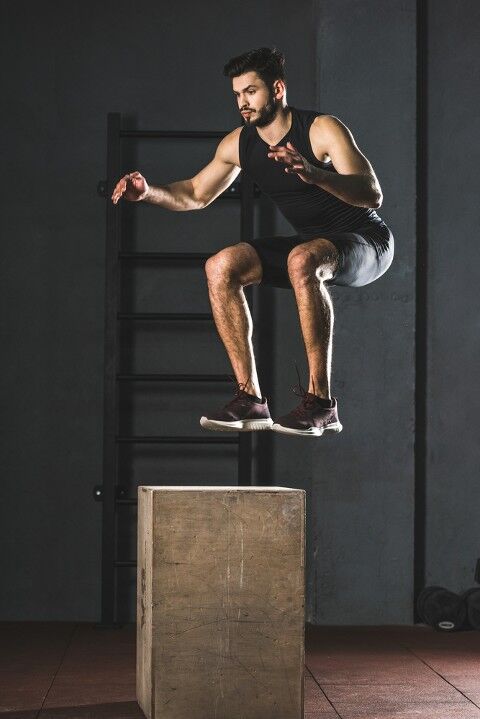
(221, 602)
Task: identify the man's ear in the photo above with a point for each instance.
(277, 85)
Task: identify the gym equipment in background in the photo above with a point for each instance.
(442, 609)
(447, 611)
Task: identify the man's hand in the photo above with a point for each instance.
(132, 186)
(295, 162)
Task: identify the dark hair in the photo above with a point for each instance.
(267, 63)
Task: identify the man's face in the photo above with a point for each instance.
(253, 95)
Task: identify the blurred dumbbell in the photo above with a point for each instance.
(472, 602)
(442, 609)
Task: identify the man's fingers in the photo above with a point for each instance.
(120, 188)
(283, 154)
(122, 184)
(279, 155)
(293, 160)
(130, 176)
(277, 150)
(287, 159)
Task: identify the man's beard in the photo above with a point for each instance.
(268, 113)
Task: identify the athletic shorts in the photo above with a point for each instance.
(364, 256)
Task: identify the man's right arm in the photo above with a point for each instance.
(192, 194)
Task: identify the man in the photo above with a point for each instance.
(309, 164)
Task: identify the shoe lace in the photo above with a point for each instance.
(239, 390)
(308, 401)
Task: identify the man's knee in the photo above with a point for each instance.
(317, 259)
(236, 264)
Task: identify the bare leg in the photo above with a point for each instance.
(228, 272)
(309, 265)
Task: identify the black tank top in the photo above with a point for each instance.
(308, 208)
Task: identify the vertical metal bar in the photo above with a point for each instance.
(112, 246)
(265, 339)
(245, 447)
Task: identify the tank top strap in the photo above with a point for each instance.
(245, 141)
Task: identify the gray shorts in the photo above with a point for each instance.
(364, 256)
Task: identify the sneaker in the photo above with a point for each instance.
(311, 418)
(244, 413)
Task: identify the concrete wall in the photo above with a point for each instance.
(363, 483)
(68, 66)
(453, 216)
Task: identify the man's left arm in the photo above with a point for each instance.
(355, 183)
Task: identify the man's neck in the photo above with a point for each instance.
(278, 128)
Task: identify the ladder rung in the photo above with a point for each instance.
(177, 440)
(167, 256)
(194, 134)
(172, 316)
(125, 563)
(173, 378)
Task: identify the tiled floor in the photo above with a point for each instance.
(80, 671)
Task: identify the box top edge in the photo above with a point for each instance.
(193, 488)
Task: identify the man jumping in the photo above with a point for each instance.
(309, 164)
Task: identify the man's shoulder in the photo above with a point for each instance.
(228, 147)
(311, 117)
(324, 119)
(231, 139)
(319, 117)
(326, 125)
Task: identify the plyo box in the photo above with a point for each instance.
(221, 602)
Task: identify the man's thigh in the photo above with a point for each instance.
(361, 259)
(318, 255)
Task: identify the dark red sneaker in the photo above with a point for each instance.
(311, 418)
(243, 413)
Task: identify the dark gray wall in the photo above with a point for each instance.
(364, 486)
(453, 215)
(70, 64)
(66, 66)
(360, 483)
